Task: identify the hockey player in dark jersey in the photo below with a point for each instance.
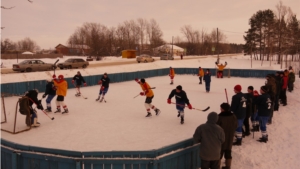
(33, 99)
(79, 80)
(51, 92)
(104, 82)
(181, 100)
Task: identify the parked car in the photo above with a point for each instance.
(33, 65)
(73, 63)
(166, 57)
(144, 58)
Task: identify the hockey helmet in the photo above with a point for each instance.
(60, 77)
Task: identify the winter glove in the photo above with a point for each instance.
(137, 80)
(169, 101)
(142, 93)
(73, 81)
(225, 62)
(54, 76)
(100, 82)
(190, 106)
(44, 95)
(84, 84)
(216, 63)
(102, 88)
(54, 88)
(255, 93)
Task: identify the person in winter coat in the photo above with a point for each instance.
(264, 104)
(284, 76)
(79, 80)
(33, 99)
(62, 86)
(220, 69)
(51, 92)
(172, 74)
(238, 107)
(200, 74)
(207, 80)
(228, 122)
(291, 79)
(211, 136)
(147, 91)
(104, 82)
(250, 110)
(272, 91)
(278, 87)
(181, 99)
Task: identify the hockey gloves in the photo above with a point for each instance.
(190, 106)
(142, 93)
(100, 82)
(73, 81)
(44, 95)
(255, 93)
(169, 101)
(137, 80)
(84, 84)
(54, 76)
(216, 63)
(102, 88)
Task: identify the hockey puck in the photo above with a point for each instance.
(52, 118)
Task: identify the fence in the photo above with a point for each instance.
(20, 87)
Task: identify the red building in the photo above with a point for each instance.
(77, 50)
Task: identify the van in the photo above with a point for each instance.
(166, 57)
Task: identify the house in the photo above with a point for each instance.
(73, 49)
(167, 48)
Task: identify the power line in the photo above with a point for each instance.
(231, 31)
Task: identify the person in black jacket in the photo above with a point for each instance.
(278, 87)
(79, 80)
(51, 92)
(33, 99)
(249, 110)
(181, 100)
(104, 82)
(207, 80)
(238, 107)
(264, 105)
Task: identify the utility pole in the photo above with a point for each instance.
(218, 44)
(172, 46)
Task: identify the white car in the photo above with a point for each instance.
(144, 58)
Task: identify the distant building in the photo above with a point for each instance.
(77, 50)
(167, 49)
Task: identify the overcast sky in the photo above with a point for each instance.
(50, 22)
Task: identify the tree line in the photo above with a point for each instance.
(273, 35)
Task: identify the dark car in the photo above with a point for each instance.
(73, 63)
(33, 65)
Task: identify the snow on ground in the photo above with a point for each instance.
(120, 124)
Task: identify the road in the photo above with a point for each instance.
(133, 61)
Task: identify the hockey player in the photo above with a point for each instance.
(171, 74)
(207, 80)
(104, 82)
(220, 69)
(62, 86)
(264, 105)
(238, 107)
(33, 99)
(147, 91)
(200, 74)
(181, 100)
(51, 92)
(79, 80)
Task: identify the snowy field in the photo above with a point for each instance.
(120, 124)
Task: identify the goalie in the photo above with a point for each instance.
(220, 69)
(26, 102)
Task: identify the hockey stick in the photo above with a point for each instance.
(55, 65)
(136, 96)
(226, 95)
(193, 107)
(52, 118)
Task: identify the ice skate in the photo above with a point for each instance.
(48, 110)
(148, 114)
(178, 114)
(57, 111)
(101, 99)
(182, 120)
(157, 111)
(66, 111)
(98, 99)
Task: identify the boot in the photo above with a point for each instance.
(263, 139)
(35, 123)
(66, 111)
(171, 83)
(178, 114)
(48, 110)
(182, 120)
(98, 98)
(238, 142)
(227, 164)
(157, 111)
(148, 114)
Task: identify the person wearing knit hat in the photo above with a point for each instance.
(211, 136)
(228, 122)
(264, 105)
(200, 74)
(51, 92)
(238, 107)
(207, 80)
(147, 91)
(172, 75)
(104, 82)
(181, 99)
